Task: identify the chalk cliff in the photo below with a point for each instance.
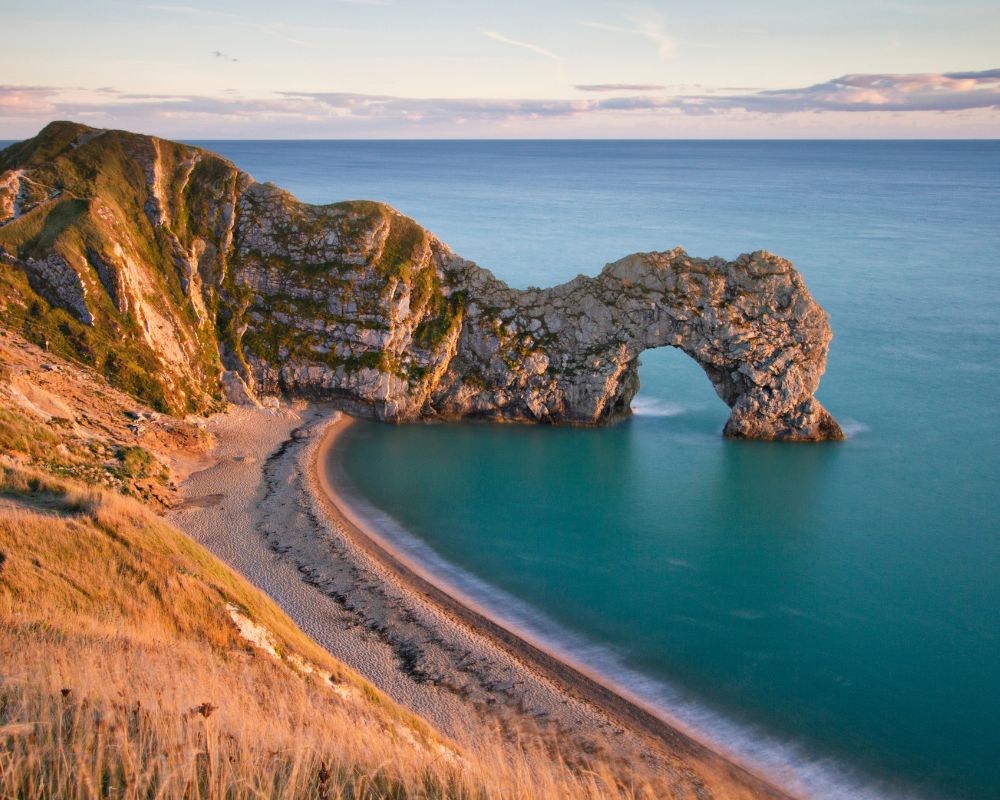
(161, 260)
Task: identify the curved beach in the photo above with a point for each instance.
(271, 509)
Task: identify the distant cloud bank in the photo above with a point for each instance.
(22, 107)
(949, 91)
(619, 87)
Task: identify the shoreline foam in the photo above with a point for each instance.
(779, 763)
(532, 647)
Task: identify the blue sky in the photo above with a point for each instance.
(430, 68)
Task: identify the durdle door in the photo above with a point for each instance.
(570, 353)
(178, 272)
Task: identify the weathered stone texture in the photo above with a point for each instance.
(570, 353)
(565, 354)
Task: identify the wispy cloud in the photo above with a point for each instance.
(534, 48)
(649, 28)
(619, 87)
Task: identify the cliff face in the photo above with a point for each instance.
(229, 283)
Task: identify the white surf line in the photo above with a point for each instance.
(788, 765)
(653, 407)
(852, 427)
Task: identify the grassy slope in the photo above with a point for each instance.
(105, 451)
(49, 445)
(115, 640)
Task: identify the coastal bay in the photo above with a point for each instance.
(829, 610)
(282, 523)
(474, 402)
(833, 607)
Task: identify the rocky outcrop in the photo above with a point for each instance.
(55, 280)
(325, 316)
(10, 195)
(357, 304)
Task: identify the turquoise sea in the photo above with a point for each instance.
(830, 612)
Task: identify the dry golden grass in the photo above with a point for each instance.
(122, 675)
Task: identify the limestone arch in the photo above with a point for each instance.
(750, 324)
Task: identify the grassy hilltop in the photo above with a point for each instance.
(85, 199)
(145, 259)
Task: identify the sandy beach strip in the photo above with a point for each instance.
(269, 509)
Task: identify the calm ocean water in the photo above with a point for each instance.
(831, 611)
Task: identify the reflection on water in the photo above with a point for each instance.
(770, 489)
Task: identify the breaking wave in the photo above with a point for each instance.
(851, 427)
(651, 407)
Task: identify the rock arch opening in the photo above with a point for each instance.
(673, 385)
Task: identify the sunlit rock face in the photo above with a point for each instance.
(241, 290)
(570, 353)
(432, 335)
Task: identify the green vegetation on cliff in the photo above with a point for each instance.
(176, 274)
(102, 283)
